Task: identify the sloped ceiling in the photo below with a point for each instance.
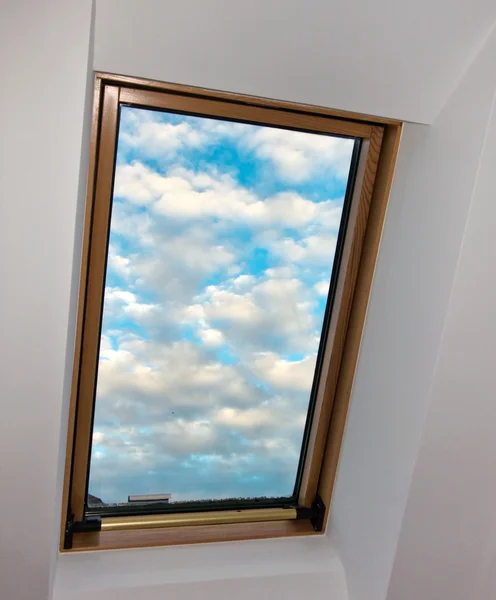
(385, 57)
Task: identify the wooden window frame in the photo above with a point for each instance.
(380, 142)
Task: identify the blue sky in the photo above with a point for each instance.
(221, 249)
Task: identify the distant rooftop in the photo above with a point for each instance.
(92, 500)
(149, 498)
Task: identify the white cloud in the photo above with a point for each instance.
(277, 446)
(285, 374)
(244, 281)
(209, 342)
(158, 375)
(314, 249)
(119, 301)
(98, 437)
(228, 306)
(299, 155)
(211, 337)
(174, 409)
(179, 265)
(185, 436)
(245, 419)
(138, 184)
(185, 195)
(119, 264)
(145, 131)
(131, 222)
(322, 287)
(259, 314)
(169, 266)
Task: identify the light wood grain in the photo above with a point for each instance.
(90, 186)
(364, 280)
(340, 318)
(242, 112)
(111, 540)
(93, 299)
(246, 99)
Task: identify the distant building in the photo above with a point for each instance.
(92, 500)
(150, 498)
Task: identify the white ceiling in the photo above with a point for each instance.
(386, 57)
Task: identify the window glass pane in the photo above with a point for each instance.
(222, 239)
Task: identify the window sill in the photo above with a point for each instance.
(147, 573)
(174, 536)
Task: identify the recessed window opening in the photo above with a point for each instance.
(223, 242)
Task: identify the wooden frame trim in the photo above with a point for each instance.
(90, 189)
(201, 534)
(221, 108)
(359, 274)
(247, 99)
(94, 283)
(358, 311)
(340, 317)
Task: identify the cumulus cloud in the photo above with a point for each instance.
(213, 307)
(211, 337)
(184, 195)
(296, 156)
(245, 419)
(269, 313)
(120, 265)
(146, 132)
(157, 376)
(285, 374)
(163, 407)
(322, 287)
(299, 155)
(123, 302)
(312, 249)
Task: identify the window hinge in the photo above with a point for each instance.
(87, 525)
(315, 513)
(69, 524)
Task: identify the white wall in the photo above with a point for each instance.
(428, 208)
(45, 50)
(392, 58)
(241, 570)
(447, 547)
(290, 586)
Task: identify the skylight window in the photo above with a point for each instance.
(223, 243)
